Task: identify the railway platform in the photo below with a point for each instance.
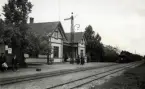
(27, 73)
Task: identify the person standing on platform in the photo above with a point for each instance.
(78, 59)
(65, 58)
(3, 61)
(71, 61)
(14, 63)
(48, 61)
(82, 60)
(85, 58)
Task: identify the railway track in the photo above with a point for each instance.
(74, 84)
(47, 74)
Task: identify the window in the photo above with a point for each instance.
(56, 52)
(56, 34)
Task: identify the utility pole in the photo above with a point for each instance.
(72, 36)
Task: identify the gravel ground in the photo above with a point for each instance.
(131, 79)
(48, 82)
(51, 81)
(47, 68)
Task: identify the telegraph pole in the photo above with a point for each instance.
(72, 36)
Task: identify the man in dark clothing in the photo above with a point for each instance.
(82, 60)
(48, 59)
(78, 59)
(15, 63)
(65, 58)
(2, 60)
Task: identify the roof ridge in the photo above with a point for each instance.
(44, 22)
(74, 32)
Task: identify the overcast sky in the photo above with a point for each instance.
(120, 23)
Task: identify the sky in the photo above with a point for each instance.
(121, 23)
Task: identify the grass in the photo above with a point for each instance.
(131, 79)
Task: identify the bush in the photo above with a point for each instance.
(110, 58)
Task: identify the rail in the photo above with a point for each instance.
(109, 72)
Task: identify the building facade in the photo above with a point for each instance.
(59, 40)
(78, 45)
(55, 33)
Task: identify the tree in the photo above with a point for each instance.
(33, 46)
(45, 47)
(94, 46)
(5, 32)
(1, 30)
(16, 14)
(98, 38)
(111, 54)
(89, 35)
(38, 44)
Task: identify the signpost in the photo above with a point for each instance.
(6, 47)
(72, 37)
(9, 50)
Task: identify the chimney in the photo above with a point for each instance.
(31, 20)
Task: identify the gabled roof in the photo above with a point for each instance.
(43, 28)
(77, 36)
(46, 28)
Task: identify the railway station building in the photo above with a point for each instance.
(59, 40)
